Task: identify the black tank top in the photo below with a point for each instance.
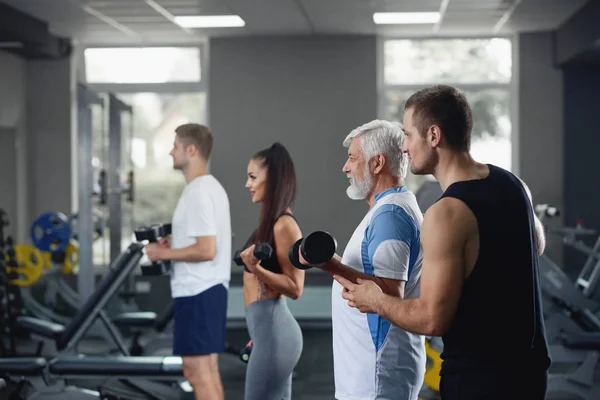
(271, 263)
(499, 321)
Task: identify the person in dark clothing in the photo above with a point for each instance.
(480, 285)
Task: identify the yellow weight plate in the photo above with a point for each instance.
(30, 265)
(71, 258)
(434, 366)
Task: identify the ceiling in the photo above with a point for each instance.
(149, 22)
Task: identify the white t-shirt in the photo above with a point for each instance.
(202, 210)
(372, 358)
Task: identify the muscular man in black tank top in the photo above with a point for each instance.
(480, 285)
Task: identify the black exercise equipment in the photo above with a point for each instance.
(140, 323)
(262, 251)
(153, 234)
(11, 303)
(317, 248)
(579, 381)
(46, 379)
(66, 338)
(566, 307)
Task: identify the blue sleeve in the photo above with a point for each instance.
(391, 236)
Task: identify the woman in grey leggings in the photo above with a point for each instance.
(275, 334)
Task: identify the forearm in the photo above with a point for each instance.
(193, 253)
(410, 315)
(335, 267)
(280, 282)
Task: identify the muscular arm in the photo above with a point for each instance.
(444, 234)
(291, 282)
(205, 249)
(539, 228)
(392, 287)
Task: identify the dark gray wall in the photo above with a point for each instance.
(582, 189)
(538, 123)
(13, 115)
(308, 94)
(50, 96)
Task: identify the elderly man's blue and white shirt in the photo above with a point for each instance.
(372, 358)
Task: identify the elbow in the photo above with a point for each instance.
(296, 293)
(435, 330)
(204, 254)
(437, 325)
(211, 255)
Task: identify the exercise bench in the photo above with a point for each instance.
(123, 377)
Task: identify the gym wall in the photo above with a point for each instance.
(308, 94)
(50, 99)
(582, 140)
(538, 129)
(13, 120)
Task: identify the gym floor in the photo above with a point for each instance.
(313, 379)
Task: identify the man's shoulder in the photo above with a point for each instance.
(205, 184)
(397, 209)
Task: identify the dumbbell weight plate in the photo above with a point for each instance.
(294, 256)
(51, 232)
(30, 266)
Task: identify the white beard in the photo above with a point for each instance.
(360, 190)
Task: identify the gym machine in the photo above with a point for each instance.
(10, 300)
(570, 308)
(66, 338)
(157, 378)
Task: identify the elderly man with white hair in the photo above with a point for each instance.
(372, 358)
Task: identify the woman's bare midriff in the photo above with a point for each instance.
(255, 289)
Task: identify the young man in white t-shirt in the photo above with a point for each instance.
(200, 252)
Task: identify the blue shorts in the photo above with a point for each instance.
(200, 322)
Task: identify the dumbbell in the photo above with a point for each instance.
(262, 251)
(152, 234)
(317, 248)
(245, 353)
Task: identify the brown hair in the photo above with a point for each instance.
(447, 108)
(280, 190)
(198, 135)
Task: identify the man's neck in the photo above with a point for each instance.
(194, 171)
(382, 184)
(455, 167)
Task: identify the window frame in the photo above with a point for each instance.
(164, 87)
(510, 87)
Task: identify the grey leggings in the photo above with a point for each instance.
(276, 348)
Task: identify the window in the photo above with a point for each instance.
(155, 117)
(142, 65)
(447, 61)
(481, 68)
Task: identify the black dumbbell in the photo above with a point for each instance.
(262, 251)
(316, 248)
(245, 353)
(152, 234)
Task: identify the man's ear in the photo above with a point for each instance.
(191, 150)
(379, 163)
(435, 135)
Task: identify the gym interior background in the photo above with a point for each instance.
(92, 90)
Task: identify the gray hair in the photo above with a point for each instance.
(382, 137)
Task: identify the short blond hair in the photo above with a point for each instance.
(198, 135)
